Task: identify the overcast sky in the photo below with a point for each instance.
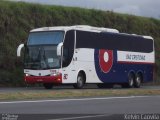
(148, 8)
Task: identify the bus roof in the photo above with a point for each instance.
(76, 27)
(85, 28)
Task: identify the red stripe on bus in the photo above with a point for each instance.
(43, 79)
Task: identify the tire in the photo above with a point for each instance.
(80, 81)
(130, 83)
(48, 85)
(138, 80)
(131, 80)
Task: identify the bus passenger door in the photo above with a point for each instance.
(68, 67)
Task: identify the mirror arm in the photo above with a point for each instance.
(59, 49)
(19, 49)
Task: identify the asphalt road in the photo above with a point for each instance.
(111, 108)
(84, 108)
(62, 87)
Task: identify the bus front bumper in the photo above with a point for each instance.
(43, 79)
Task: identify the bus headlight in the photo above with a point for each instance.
(27, 75)
(56, 74)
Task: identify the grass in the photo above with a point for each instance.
(54, 94)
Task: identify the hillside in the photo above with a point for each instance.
(18, 18)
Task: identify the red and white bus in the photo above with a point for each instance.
(84, 54)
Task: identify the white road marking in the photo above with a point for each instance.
(81, 117)
(78, 99)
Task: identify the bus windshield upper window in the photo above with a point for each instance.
(40, 38)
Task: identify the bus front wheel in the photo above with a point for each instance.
(48, 85)
(80, 81)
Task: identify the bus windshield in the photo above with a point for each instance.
(41, 50)
(43, 38)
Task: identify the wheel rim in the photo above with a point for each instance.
(131, 81)
(138, 81)
(80, 81)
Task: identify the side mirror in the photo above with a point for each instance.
(59, 49)
(19, 50)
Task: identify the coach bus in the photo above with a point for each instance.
(82, 54)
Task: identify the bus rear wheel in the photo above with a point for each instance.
(80, 81)
(138, 80)
(130, 83)
(131, 80)
(48, 85)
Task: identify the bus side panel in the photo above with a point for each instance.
(119, 70)
(109, 73)
(137, 62)
(145, 69)
(88, 60)
(83, 60)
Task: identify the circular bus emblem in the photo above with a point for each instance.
(105, 60)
